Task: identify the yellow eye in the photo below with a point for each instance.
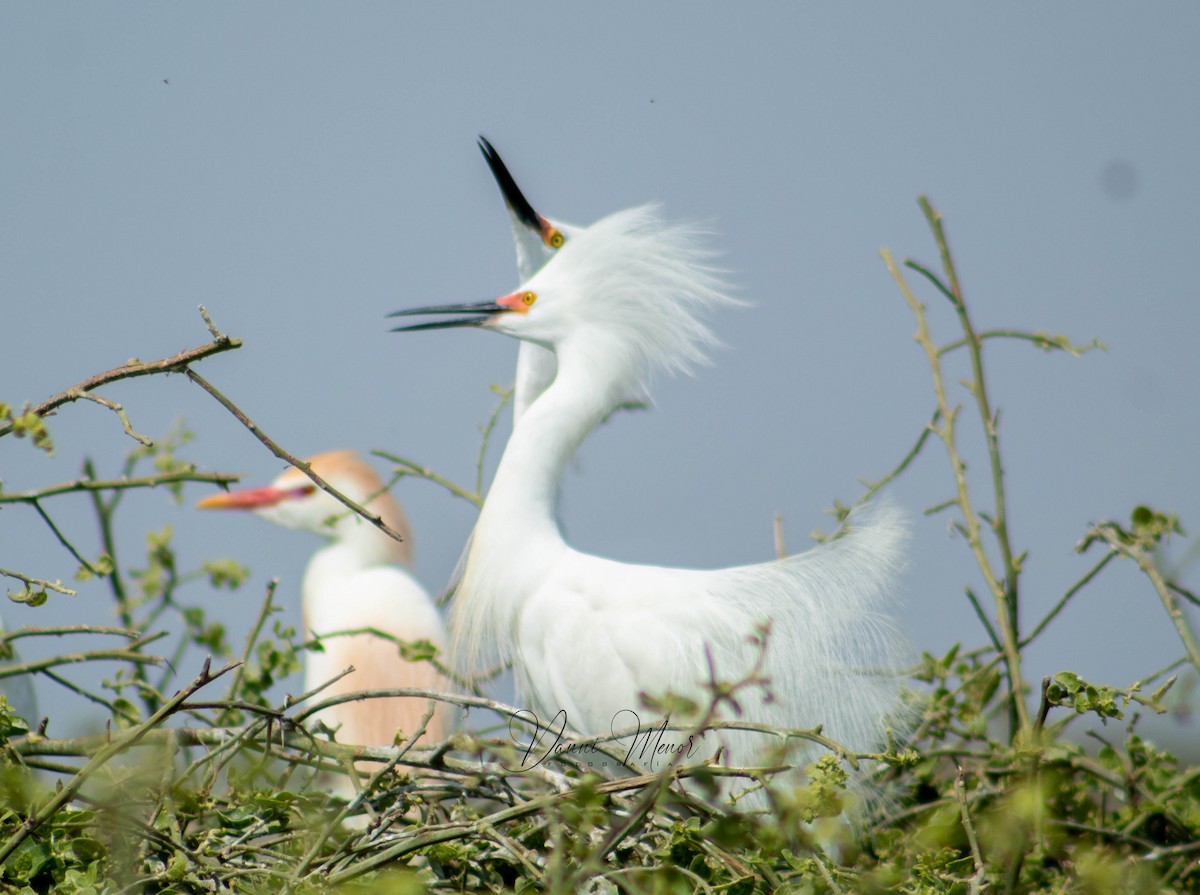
(556, 239)
(528, 298)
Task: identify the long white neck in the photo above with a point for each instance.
(536, 367)
(517, 536)
(358, 545)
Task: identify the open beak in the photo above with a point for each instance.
(515, 199)
(479, 315)
(250, 499)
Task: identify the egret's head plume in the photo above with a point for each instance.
(630, 286)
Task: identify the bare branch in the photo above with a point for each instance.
(102, 756)
(39, 583)
(132, 369)
(279, 452)
(122, 484)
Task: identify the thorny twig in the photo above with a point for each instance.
(102, 756)
(1002, 587)
(374, 518)
(130, 370)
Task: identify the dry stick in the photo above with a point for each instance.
(1041, 340)
(485, 432)
(102, 757)
(104, 512)
(279, 452)
(250, 730)
(979, 881)
(87, 745)
(62, 539)
(984, 620)
(826, 875)
(1183, 591)
(113, 708)
(424, 472)
(780, 545)
(124, 483)
(873, 488)
(122, 416)
(353, 804)
(1061, 604)
(60, 630)
(971, 523)
(460, 830)
(1145, 562)
(698, 883)
(82, 390)
(38, 582)
(251, 638)
(1007, 601)
(813, 735)
(408, 467)
(522, 854)
(720, 693)
(1043, 707)
(133, 369)
(115, 655)
(439, 833)
(399, 642)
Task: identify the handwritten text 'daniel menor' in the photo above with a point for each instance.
(648, 747)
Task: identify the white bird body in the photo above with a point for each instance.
(356, 582)
(341, 594)
(588, 635)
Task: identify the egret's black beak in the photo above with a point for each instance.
(513, 196)
(481, 314)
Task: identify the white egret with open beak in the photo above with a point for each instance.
(587, 635)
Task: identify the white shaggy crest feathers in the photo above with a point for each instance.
(638, 288)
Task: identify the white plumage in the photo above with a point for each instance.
(623, 298)
(356, 581)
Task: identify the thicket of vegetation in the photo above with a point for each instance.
(200, 783)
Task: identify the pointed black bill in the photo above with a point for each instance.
(508, 187)
(480, 314)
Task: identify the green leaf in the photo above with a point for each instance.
(418, 650)
(225, 573)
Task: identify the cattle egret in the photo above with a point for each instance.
(355, 582)
(587, 635)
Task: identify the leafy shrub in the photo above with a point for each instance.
(206, 785)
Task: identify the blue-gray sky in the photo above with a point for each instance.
(303, 169)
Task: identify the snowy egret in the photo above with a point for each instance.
(353, 583)
(537, 239)
(587, 635)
